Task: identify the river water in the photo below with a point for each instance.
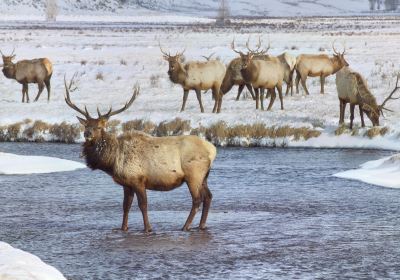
(276, 214)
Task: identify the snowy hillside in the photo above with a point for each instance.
(206, 8)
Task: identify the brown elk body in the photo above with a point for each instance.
(352, 88)
(318, 66)
(38, 71)
(263, 75)
(196, 76)
(233, 77)
(140, 162)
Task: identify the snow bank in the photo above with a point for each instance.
(11, 164)
(383, 172)
(16, 264)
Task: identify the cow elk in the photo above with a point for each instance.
(196, 76)
(262, 74)
(36, 71)
(140, 162)
(353, 89)
(322, 65)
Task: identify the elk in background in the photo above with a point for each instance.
(352, 88)
(140, 162)
(196, 76)
(321, 65)
(37, 71)
(262, 74)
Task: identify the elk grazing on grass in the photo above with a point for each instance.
(140, 162)
(353, 89)
(262, 74)
(196, 76)
(322, 65)
(36, 71)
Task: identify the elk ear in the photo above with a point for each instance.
(366, 108)
(12, 57)
(103, 122)
(82, 121)
(165, 57)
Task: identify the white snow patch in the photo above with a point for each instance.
(382, 172)
(16, 264)
(12, 164)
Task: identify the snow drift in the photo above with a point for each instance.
(11, 164)
(16, 264)
(383, 172)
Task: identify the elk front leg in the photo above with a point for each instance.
(198, 94)
(351, 115)
(322, 81)
(297, 82)
(361, 116)
(341, 112)
(279, 87)
(128, 199)
(240, 89)
(142, 201)
(250, 89)
(257, 90)
(41, 87)
(303, 83)
(272, 100)
(185, 96)
(262, 90)
(48, 87)
(25, 93)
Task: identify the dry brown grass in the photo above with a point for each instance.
(340, 130)
(112, 126)
(100, 76)
(36, 131)
(376, 131)
(174, 127)
(13, 131)
(154, 81)
(141, 125)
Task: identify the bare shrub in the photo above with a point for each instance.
(384, 131)
(112, 126)
(141, 125)
(123, 62)
(65, 133)
(84, 62)
(340, 130)
(154, 80)
(373, 132)
(36, 131)
(14, 131)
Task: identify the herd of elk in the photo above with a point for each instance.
(352, 88)
(140, 162)
(37, 71)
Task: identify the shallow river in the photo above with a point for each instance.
(276, 214)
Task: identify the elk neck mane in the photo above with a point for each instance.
(336, 64)
(101, 153)
(250, 72)
(363, 91)
(179, 75)
(9, 70)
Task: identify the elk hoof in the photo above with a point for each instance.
(186, 229)
(202, 227)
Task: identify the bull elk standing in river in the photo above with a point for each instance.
(353, 89)
(140, 162)
(196, 76)
(322, 65)
(36, 71)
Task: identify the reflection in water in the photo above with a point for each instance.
(276, 214)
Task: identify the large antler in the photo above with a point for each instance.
(334, 49)
(162, 51)
(110, 112)
(390, 97)
(8, 55)
(257, 51)
(234, 49)
(69, 88)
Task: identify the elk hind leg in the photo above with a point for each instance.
(207, 197)
(351, 115)
(297, 81)
(322, 81)
(48, 87)
(195, 188)
(128, 199)
(262, 91)
(41, 87)
(25, 93)
(272, 100)
(303, 83)
(279, 87)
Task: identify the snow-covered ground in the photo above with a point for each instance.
(16, 264)
(11, 164)
(383, 172)
(206, 8)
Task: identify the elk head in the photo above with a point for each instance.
(372, 113)
(8, 65)
(244, 58)
(174, 63)
(94, 127)
(339, 56)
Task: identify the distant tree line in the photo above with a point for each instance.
(388, 5)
